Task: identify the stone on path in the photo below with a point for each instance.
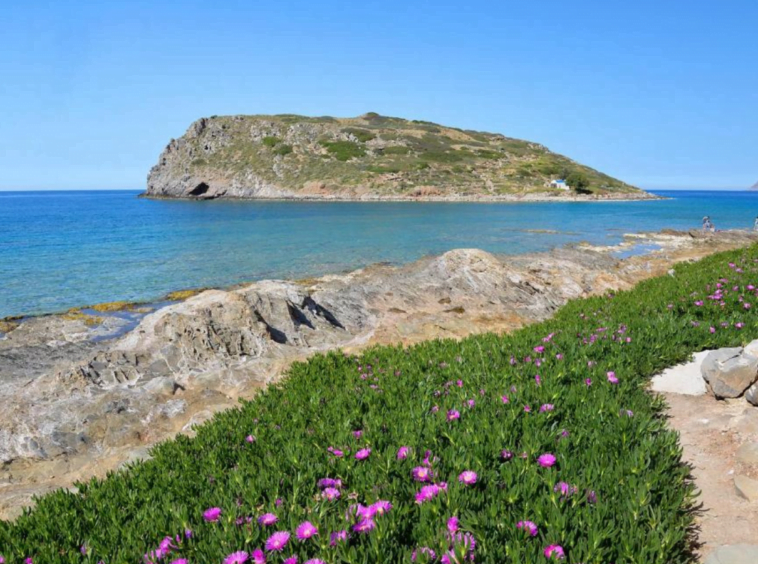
(748, 453)
(734, 554)
(685, 379)
(746, 488)
(729, 372)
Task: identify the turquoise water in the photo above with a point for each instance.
(66, 249)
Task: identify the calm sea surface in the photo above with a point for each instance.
(66, 249)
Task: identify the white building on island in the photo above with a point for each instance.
(559, 184)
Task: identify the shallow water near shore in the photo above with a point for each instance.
(60, 250)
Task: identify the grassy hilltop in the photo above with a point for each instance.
(368, 156)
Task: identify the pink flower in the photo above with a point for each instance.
(211, 515)
(588, 382)
(364, 526)
(467, 477)
(539, 349)
(267, 519)
(612, 378)
(291, 560)
(306, 530)
(470, 403)
(504, 399)
(363, 454)
(546, 460)
(453, 414)
(337, 536)
(277, 541)
(258, 556)
(712, 329)
(527, 409)
(554, 550)
(432, 556)
(698, 303)
(237, 558)
(421, 474)
(402, 453)
(336, 452)
(314, 561)
(452, 524)
(546, 407)
(528, 526)
(380, 507)
(250, 439)
(331, 493)
(358, 434)
(506, 454)
(427, 493)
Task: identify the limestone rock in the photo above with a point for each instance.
(746, 487)
(734, 554)
(685, 379)
(729, 372)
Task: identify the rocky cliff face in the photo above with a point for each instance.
(369, 157)
(75, 405)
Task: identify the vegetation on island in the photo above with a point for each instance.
(536, 446)
(370, 154)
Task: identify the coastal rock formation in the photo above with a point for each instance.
(730, 371)
(76, 404)
(370, 157)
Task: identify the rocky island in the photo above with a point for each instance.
(370, 157)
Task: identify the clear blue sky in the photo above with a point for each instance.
(659, 93)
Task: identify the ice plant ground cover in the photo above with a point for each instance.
(555, 450)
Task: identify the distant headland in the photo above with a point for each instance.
(370, 157)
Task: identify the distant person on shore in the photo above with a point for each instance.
(755, 224)
(708, 225)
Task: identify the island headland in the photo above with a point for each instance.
(368, 158)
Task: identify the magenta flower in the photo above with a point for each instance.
(427, 493)
(329, 483)
(363, 454)
(402, 453)
(612, 378)
(529, 527)
(177, 561)
(426, 551)
(364, 526)
(267, 519)
(504, 399)
(306, 530)
(258, 556)
(452, 524)
(277, 541)
(527, 409)
(237, 558)
(546, 460)
(315, 561)
(291, 560)
(380, 507)
(554, 550)
(453, 414)
(421, 474)
(211, 515)
(467, 477)
(336, 452)
(546, 407)
(588, 382)
(337, 536)
(506, 454)
(712, 329)
(331, 493)
(470, 403)
(539, 350)
(250, 439)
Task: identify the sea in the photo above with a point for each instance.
(66, 249)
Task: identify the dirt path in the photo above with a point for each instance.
(711, 432)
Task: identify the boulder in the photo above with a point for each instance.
(729, 372)
(734, 554)
(747, 488)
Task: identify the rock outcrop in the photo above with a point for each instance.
(730, 371)
(364, 158)
(76, 403)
